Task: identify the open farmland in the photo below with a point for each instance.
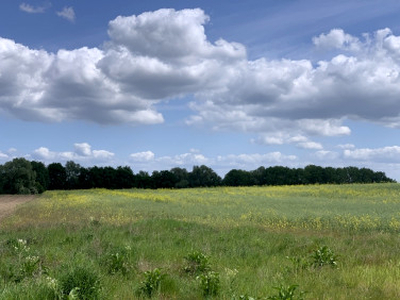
(333, 241)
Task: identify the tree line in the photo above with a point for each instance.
(21, 176)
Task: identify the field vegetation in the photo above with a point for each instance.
(283, 242)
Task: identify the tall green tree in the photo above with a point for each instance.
(18, 177)
(203, 176)
(58, 176)
(181, 176)
(238, 178)
(72, 171)
(42, 176)
(125, 178)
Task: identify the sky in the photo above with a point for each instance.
(228, 84)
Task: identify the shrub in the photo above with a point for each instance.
(209, 283)
(197, 263)
(118, 260)
(81, 282)
(152, 282)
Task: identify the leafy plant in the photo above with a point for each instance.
(209, 283)
(287, 293)
(152, 282)
(81, 283)
(118, 260)
(30, 265)
(324, 256)
(116, 263)
(197, 263)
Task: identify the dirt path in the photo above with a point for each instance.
(8, 203)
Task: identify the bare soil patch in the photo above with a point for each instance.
(8, 203)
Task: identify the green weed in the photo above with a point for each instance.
(209, 283)
(118, 261)
(81, 283)
(324, 256)
(152, 282)
(197, 263)
(287, 293)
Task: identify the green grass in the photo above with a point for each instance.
(254, 239)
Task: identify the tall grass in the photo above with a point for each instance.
(254, 238)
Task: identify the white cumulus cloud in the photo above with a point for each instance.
(67, 13)
(166, 54)
(142, 156)
(337, 38)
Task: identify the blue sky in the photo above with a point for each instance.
(228, 84)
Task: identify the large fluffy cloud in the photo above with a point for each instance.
(150, 57)
(166, 54)
(299, 97)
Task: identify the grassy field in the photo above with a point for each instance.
(333, 242)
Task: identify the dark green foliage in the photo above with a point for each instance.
(143, 180)
(311, 174)
(72, 171)
(58, 176)
(181, 177)
(42, 176)
(18, 177)
(204, 176)
(23, 177)
(81, 281)
(163, 179)
(125, 177)
(238, 178)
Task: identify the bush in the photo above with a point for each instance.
(82, 282)
(118, 260)
(324, 256)
(197, 263)
(209, 283)
(152, 282)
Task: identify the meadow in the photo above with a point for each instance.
(286, 242)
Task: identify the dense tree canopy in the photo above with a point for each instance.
(17, 177)
(21, 176)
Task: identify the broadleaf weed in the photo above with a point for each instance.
(197, 263)
(324, 256)
(209, 283)
(287, 293)
(152, 282)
